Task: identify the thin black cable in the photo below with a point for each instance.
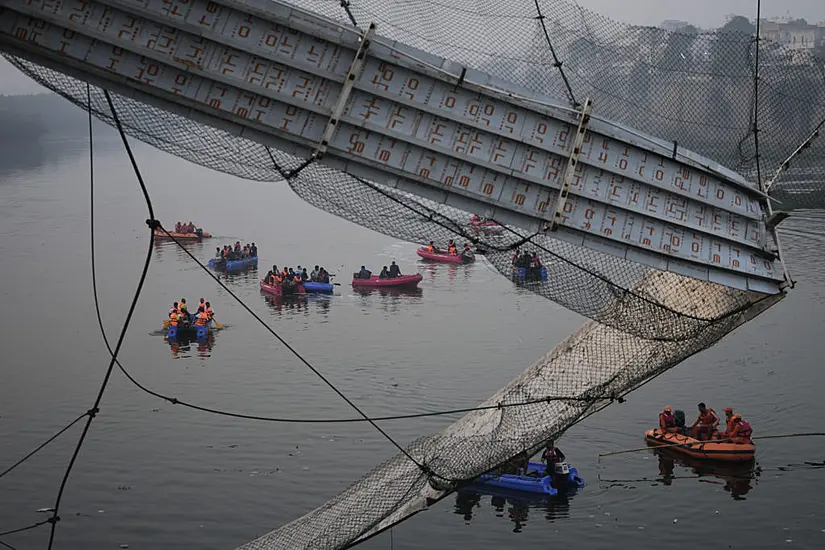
(345, 4)
(27, 528)
(295, 352)
(176, 401)
(96, 407)
(556, 63)
(756, 100)
(7, 545)
(35, 451)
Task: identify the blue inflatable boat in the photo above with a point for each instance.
(522, 274)
(190, 331)
(536, 483)
(318, 288)
(232, 265)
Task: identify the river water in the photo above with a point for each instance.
(155, 475)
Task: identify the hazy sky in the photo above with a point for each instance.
(702, 13)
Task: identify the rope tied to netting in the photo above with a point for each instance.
(557, 63)
(346, 5)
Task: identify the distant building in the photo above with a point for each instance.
(797, 35)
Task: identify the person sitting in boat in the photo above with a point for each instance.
(728, 417)
(174, 308)
(740, 431)
(304, 275)
(475, 218)
(177, 227)
(385, 274)
(516, 257)
(517, 465)
(314, 275)
(253, 251)
(364, 273)
(237, 247)
(202, 304)
(199, 232)
(667, 422)
(201, 319)
(395, 271)
(173, 317)
(323, 276)
(210, 314)
(551, 456)
(706, 423)
(431, 248)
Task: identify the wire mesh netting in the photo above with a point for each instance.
(692, 87)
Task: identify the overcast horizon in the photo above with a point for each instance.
(701, 13)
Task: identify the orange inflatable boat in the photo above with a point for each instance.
(182, 236)
(703, 450)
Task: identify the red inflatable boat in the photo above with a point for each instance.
(405, 281)
(278, 291)
(446, 258)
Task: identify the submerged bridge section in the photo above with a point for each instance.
(401, 117)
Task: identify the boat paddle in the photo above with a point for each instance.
(217, 324)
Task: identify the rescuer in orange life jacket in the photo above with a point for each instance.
(431, 247)
(706, 423)
(667, 422)
(728, 418)
(740, 431)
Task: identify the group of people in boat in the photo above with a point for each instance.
(529, 261)
(386, 273)
(706, 426)
(291, 278)
(187, 228)
(550, 456)
(236, 252)
(452, 249)
(179, 314)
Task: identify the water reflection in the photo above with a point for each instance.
(165, 248)
(390, 300)
(181, 347)
(461, 272)
(736, 478)
(513, 505)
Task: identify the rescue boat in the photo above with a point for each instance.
(233, 265)
(565, 478)
(278, 290)
(182, 236)
(446, 258)
(718, 449)
(188, 329)
(406, 281)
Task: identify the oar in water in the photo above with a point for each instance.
(217, 324)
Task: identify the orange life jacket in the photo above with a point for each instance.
(202, 319)
(453, 251)
(209, 313)
(741, 432)
(430, 248)
(710, 417)
(173, 318)
(666, 421)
